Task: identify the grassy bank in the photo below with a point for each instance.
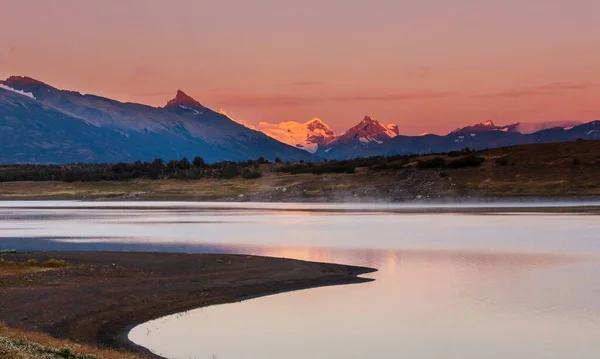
(23, 344)
(541, 170)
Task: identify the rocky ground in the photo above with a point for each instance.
(94, 297)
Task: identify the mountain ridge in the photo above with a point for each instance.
(58, 126)
(43, 124)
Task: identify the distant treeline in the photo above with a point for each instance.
(197, 168)
(157, 169)
(385, 162)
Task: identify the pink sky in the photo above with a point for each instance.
(428, 66)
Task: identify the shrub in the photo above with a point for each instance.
(469, 161)
(502, 162)
(53, 263)
(326, 167)
(32, 263)
(436, 162)
(248, 174)
(198, 162)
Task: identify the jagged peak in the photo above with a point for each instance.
(183, 99)
(317, 124)
(369, 119)
(489, 123)
(315, 120)
(394, 128)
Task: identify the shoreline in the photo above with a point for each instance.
(101, 296)
(129, 344)
(450, 199)
(589, 206)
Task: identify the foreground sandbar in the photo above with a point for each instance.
(98, 296)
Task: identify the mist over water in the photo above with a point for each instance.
(489, 284)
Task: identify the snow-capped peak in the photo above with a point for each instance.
(485, 127)
(307, 136)
(368, 131)
(315, 120)
(372, 126)
(532, 127)
(394, 128)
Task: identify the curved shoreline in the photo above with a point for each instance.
(129, 344)
(103, 295)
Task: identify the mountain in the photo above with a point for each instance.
(520, 127)
(307, 136)
(357, 140)
(531, 127)
(42, 124)
(485, 127)
(480, 136)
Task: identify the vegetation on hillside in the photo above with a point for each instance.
(198, 169)
(552, 169)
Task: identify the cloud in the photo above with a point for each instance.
(549, 89)
(419, 72)
(262, 100)
(402, 96)
(302, 84)
(569, 86)
(266, 100)
(152, 94)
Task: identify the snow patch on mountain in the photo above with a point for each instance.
(368, 131)
(190, 109)
(28, 94)
(240, 122)
(532, 127)
(307, 136)
(394, 128)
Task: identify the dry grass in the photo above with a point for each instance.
(8, 268)
(20, 344)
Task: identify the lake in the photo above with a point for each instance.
(511, 281)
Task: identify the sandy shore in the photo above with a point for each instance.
(101, 295)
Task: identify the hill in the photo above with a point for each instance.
(544, 171)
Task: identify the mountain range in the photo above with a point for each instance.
(372, 138)
(42, 124)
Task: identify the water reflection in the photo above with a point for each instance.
(506, 285)
(424, 304)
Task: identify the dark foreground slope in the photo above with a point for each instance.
(59, 126)
(96, 296)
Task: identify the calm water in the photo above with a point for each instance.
(502, 285)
